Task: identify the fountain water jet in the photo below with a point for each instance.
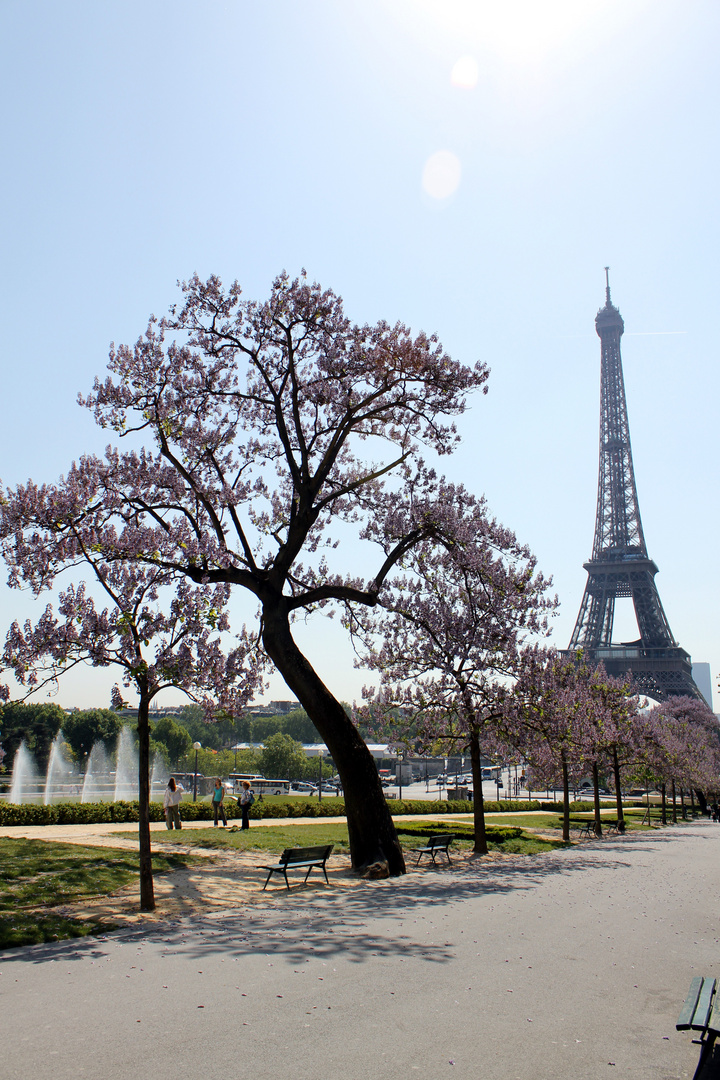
(158, 776)
(26, 780)
(126, 767)
(97, 785)
(62, 775)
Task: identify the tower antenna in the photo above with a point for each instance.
(607, 285)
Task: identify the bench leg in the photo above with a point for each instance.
(266, 881)
(325, 873)
(707, 1045)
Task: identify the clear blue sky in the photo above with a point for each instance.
(144, 141)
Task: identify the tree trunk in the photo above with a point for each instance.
(702, 801)
(371, 830)
(566, 800)
(664, 804)
(480, 847)
(674, 802)
(683, 808)
(596, 798)
(147, 893)
(618, 791)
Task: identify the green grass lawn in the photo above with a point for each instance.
(274, 839)
(508, 837)
(633, 819)
(43, 874)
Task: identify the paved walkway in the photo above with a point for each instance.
(569, 966)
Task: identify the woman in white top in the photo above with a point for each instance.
(171, 803)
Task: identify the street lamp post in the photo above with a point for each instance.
(196, 746)
(320, 759)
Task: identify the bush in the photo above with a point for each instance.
(496, 834)
(92, 813)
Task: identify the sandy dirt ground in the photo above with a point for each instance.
(224, 880)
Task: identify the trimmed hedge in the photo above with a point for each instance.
(99, 813)
(94, 813)
(496, 834)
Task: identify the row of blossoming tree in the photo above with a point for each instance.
(452, 644)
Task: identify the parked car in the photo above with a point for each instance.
(304, 785)
(328, 788)
(587, 788)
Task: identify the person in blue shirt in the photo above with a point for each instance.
(217, 802)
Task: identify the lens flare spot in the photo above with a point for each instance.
(441, 174)
(465, 73)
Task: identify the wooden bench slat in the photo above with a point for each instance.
(688, 1010)
(702, 1009)
(293, 855)
(713, 1024)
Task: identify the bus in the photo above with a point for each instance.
(263, 786)
(259, 784)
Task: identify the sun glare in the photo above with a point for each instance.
(465, 73)
(441, 174)
(518, 32)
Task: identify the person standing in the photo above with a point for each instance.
(246, 800)
(217, 803)
(171, 804)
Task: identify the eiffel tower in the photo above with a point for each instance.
(620, 565)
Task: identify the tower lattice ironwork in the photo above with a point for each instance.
(620, 565)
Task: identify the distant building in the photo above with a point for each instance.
(703, 681)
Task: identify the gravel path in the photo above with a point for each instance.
(569, 966)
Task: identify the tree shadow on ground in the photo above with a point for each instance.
(711, 1071)
(331, 922)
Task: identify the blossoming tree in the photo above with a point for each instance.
(448, 634)
(544, 714)
(156, 642)
(272, 428)
(681, 747)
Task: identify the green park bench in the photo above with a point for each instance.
(584, 826)
(434, 845)
(298, 859)
(701, 1013)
